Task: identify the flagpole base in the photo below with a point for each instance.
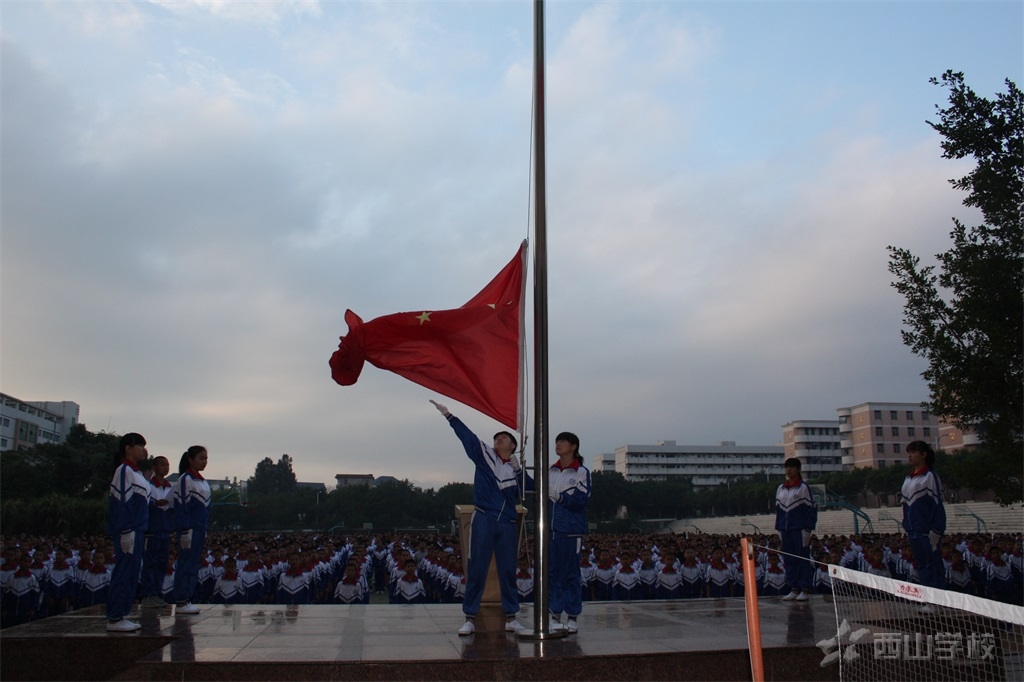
(533, 635)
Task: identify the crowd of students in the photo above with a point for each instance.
(47, 576)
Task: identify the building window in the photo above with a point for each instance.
(925, 416)
(895, 430)
(881, 464)
(878, 431)
(910, 415)
(880, 448)
(878, 414)
(926, 432)
(896, 448)
(911, 431)
(892, 415)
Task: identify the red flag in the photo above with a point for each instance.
(472, 354)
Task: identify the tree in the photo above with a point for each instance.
(968, 320)
(273, 479)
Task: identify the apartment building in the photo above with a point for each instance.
(25, 424)
(816, 443)
(706, 465)
(876, 434)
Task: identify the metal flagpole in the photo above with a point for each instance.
(542, 534)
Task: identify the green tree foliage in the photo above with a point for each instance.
(80, 467)
(609, 491)
(967, 319)
(273, 479)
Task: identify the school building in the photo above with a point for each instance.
(876, 434)
(871, 434)
(706, 465)
(25, 424)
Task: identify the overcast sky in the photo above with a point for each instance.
(194, 192)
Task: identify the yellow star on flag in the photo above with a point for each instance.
(424, 317)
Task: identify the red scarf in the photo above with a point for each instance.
(22, 573)
(229, 575)
(919, 472)
(669, 569)
(558, 465)
(792, 484)
(195, 474)
(523, 575)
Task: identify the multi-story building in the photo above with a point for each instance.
(815, 442)
(603, 462)
(706, 465)
(876, 434)
(25, 424)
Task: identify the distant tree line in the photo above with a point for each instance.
(62, 490)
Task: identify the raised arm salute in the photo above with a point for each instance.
(494, 530)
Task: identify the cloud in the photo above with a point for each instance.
(186, 219)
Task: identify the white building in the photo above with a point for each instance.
(25, 424)
(816, 443)
(603, 462)
(706, 465)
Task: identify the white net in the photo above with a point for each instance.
(892, 630)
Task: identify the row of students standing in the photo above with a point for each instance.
(140, 519)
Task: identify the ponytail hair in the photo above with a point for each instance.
(188, 456)
(923, 448)
(127, 440)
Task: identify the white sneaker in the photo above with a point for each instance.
(123, 625)
(467, 629)
(514, 626)
(803, 596)
(791, 596)
(572, 626)
(188, 609)
(555, 625)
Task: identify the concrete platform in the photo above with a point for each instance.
(700, 639)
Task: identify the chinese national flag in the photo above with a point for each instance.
(472, 354)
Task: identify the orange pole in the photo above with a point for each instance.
(753, 617)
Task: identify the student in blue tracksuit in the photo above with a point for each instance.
(569, 492)
(495, 529)
(158, 535)
(924, 516)
(191, 518)
(796, 515)
(127, 519)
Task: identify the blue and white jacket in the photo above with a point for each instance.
(160, 516)
(571, 489)
(794, 507)
(129, 500)
(921, 498)
(191, 502)
(495, 483)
